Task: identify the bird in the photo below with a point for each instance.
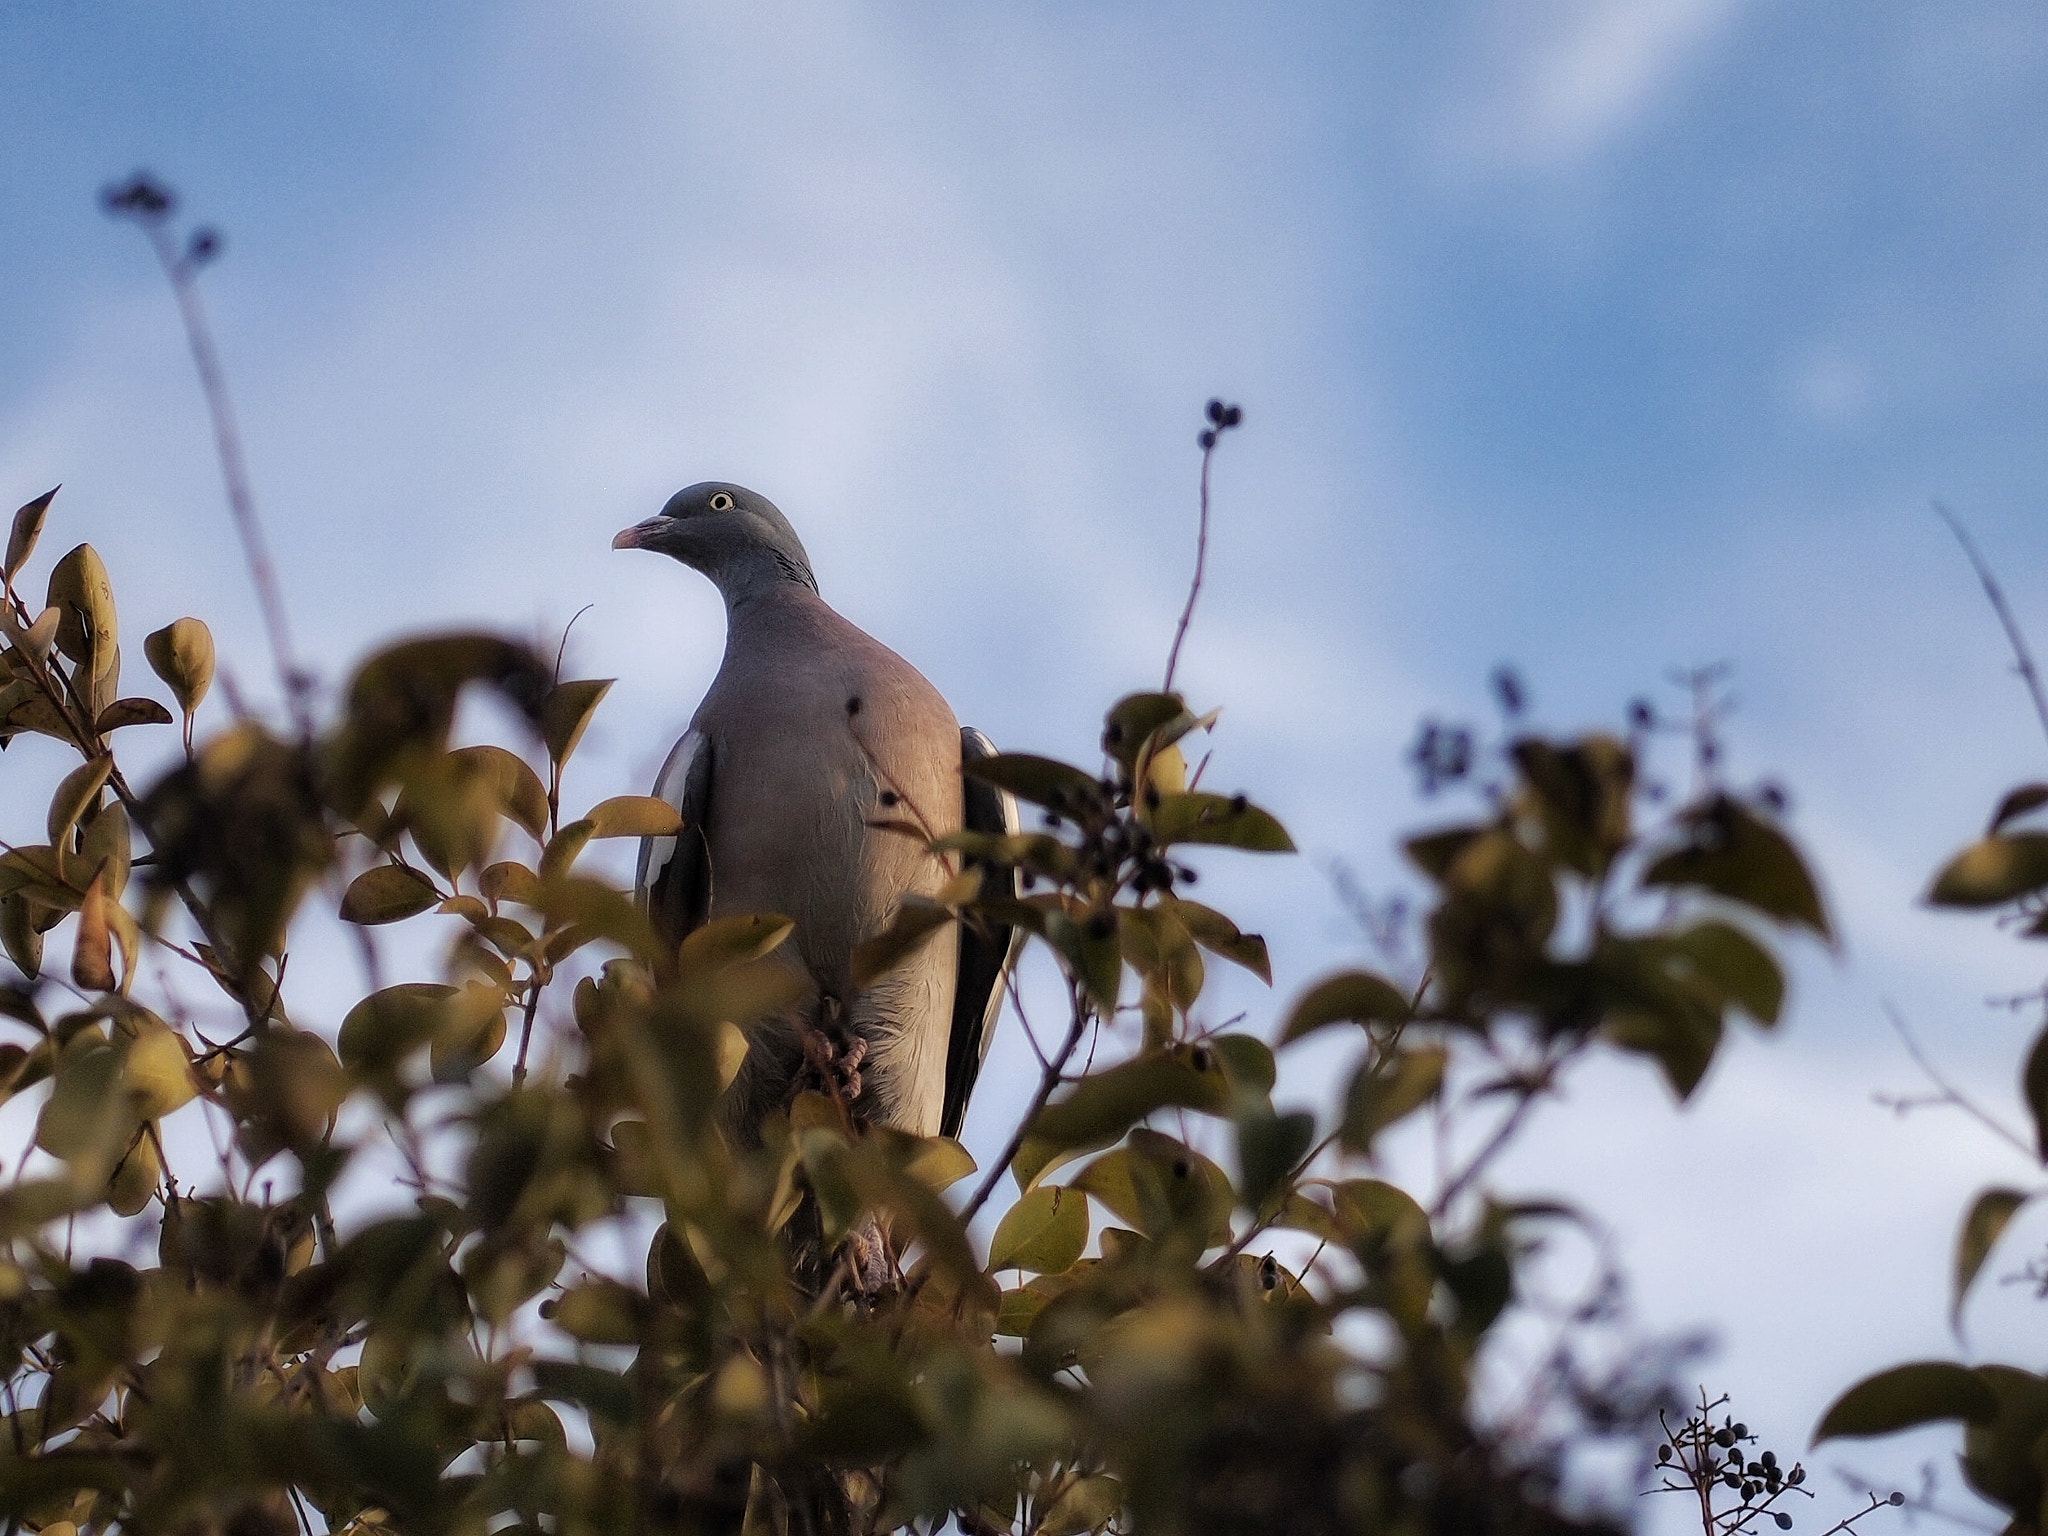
(813, 751)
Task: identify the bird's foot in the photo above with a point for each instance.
(832, 1060)
(872, 1265)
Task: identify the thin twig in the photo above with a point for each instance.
(2023, 658)
(150, 206)
(1221, 419)
(1048, 1080)
(1949, 1093)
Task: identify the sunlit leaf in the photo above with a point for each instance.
(1993, 871)
(1087, 1504)
(517, 787)
(1229, 821)
(83, 596)
(634, 816)
(181, 653)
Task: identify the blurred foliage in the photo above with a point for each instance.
(2003, 1409)
(351, 1262)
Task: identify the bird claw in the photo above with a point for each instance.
(834, 1060)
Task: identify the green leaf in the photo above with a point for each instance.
(598, 1312)
(634, 816)
(1732, 852)
(1387, 1090)
(1228, 821)
(387, 1026)
(1358, 997)
(1132, 721)
(1989, 1214)
(1092, 953)
(1741, 970)
(1044, 1232)
(1160, 1186)
(1993, 871)
(2034, 1084)
(1043, 781)
(386, 893)
(1906, 1396)
(1248, 1061)
(560, 853)
(28, 527)
(566, 713)
(606, 1394)
(1101, 1107)
(1220, 936)
(1268, 1148)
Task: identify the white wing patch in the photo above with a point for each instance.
(671, 785)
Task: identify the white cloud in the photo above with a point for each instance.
(1555, 84)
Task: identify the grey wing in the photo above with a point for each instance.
(673, 883)
(986, 953)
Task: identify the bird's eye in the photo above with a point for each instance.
(721, 502)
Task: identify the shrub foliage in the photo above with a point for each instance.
(351, 1262)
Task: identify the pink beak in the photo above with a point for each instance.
(635, 537)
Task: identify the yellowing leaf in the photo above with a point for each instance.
(634, 816)
(83, 596)
(1088, 1504)
(181, 653)
(730, 941)
(1226, 820)
(80, 789)
(517, 787)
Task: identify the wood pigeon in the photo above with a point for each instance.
(813, 733)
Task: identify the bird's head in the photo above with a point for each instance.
(737, 537)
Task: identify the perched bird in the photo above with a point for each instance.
(811, 735)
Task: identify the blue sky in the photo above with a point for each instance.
(1598, 337)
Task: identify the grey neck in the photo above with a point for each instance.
(758, 572)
